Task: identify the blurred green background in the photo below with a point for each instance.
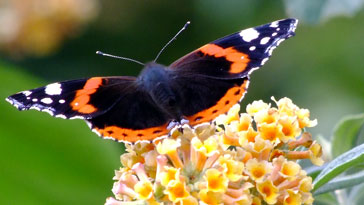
(52, 161)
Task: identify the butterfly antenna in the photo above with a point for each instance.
(119, 57)
(170, 41)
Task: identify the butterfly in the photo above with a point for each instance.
(196, 88)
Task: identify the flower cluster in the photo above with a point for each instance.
(247, 158)
(37, 28)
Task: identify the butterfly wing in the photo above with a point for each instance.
(215, 77)
(206, 98)
(238, 54)
(114, 107)
(83, 98)
(133, 118)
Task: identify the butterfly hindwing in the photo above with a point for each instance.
(206, 98)
(133, 118)
(238, 54)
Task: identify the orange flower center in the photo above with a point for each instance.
(287, 131)
(267, 191)
(258, 173)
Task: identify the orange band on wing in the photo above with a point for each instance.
(130, 135)
(238, 60)
(82, 97)
(231, 97)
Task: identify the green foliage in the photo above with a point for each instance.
(348, 158)
(340, 164)
(346, 134)
(50, 161)
(341, 183)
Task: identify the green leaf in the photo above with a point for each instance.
(346, 134)
(339, 165)
(341, 183)
(326, 199)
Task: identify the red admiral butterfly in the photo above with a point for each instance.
(198, 87)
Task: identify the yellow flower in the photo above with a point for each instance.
(304, 120)
(292, 198)
(169, 147)
(305, 184)
(216, 180)
(272, 132)
(200, 151)
(209, 197)
(268, 191)
(257, 170)
(176, 191)
(256, 106)
(232, 115)
(144, 189)
(168, 175)
(267, 116)
(290, 170)
(242, 124)
(247, 136)
(290, 128)
(315, 151)
(190, 200)
(286, 106)
(260, 149)
(233, 169)
(229, 164)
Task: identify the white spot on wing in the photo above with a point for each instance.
(76, 117)
(271, 50)
(61, 116)
(249, 34)
(46, 100)
(274, 24)
(9, 101)
(27, 92)
(274, 34)
(253, 69)
(34, 108)
(264, 61)
(53, 89)
(252, 48)
(95, 131)
(264, 40)
(246, 88)
(61, 101)
(47, 111)
(35, 100)
(280, 41)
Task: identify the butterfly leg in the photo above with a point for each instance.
(178, 123)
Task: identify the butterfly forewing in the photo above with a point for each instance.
(236, 55)
(83, 98)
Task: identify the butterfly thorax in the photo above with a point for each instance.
(156, 80)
